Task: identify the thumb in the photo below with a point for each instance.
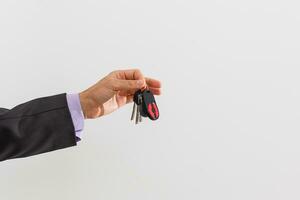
(127, 84)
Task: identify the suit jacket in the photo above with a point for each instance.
(35, 127)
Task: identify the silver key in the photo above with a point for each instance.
(137, 114)
(137, 109)
(133, 111)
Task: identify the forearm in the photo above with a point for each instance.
(35, 127)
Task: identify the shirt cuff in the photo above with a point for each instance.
(76, 114)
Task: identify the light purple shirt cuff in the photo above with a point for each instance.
(76, 114)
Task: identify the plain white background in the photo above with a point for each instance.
(230, 109)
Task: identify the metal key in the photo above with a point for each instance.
(138, 118)
(137, 107)
(144, 106)
(137, 114)
(133, 111)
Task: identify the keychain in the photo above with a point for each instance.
(144, 106)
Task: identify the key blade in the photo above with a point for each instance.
(133, 111)
(137, 115)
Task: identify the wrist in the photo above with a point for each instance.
(89, 106)
(84, 103)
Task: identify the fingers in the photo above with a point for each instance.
(131, 80)
(153, 83)
(155, 91)
(154, 86)
(130, 74)
(125, 85)
(136, 74)
(127, 92)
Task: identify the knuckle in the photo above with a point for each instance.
(137, 74)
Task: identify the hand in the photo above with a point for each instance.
(114, 91)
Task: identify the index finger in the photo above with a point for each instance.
(131, 74)
(153, 83)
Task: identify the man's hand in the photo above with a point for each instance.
(114, 91)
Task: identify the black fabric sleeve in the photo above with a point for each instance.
(35, 127)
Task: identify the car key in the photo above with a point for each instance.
(133, 111)
(144, 106)
(137, 107)
(149, 105)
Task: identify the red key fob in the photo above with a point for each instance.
(150, 107)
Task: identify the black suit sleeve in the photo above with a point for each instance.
(35, 127)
